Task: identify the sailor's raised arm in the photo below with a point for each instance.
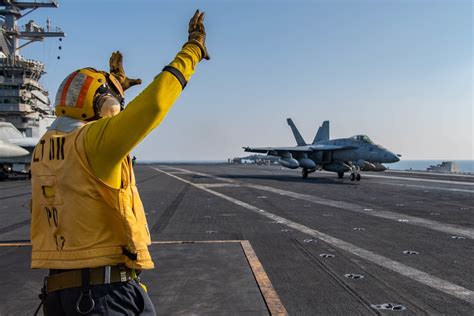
(109, 140)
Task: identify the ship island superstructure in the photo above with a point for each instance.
(24, 102)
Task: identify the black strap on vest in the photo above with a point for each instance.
(175, 72)
(130, 255)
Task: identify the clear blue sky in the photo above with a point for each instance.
(398, 71)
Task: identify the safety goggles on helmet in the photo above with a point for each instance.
(77, 95)
(107, 100)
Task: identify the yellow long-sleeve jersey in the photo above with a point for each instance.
(109, 140)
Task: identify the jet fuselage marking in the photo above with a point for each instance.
(425, 223)
(407, 271)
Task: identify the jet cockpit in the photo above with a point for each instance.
(362, 138)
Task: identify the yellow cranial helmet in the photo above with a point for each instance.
(77, 94)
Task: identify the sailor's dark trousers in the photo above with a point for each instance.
(120, 298)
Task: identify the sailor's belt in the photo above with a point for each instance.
(101, 275)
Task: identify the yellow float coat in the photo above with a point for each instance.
(86, 211)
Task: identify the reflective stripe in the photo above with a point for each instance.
(66, 87)
(83, 92)
(178, 75)
(74, 89)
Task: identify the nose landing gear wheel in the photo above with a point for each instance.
(304, 173)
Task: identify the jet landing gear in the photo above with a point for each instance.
(306, 172)
(355, 176)
(355, 173)
(340, 175)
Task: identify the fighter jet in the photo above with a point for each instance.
(9, 150)
(323, 135)
(15, 149)
(11, 141)
(337, 155)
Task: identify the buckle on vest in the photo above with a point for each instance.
(107, 271)
(85, 293)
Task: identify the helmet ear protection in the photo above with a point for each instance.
(77, 94)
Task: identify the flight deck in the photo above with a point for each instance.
(260, 240)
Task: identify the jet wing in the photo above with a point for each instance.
(330, 147)
(264, 150)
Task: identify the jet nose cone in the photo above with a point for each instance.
(11, 150)
(390, 157)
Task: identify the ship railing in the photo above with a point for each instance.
(21, 80)
(20, 61)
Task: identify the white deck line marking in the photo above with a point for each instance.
(430, 188)
(217, 185)
(418, 179)
(205, 175)
(434, 174)
(407, 271)
(412, 220)
(368, 175)
(426, 223)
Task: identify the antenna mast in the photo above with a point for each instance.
(31, 32)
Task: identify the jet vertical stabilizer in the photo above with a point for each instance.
(299, 139)
(322, 134)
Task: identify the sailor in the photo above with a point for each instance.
(88, 226)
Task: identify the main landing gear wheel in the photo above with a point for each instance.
(304, 173)
(340, 175)
(353, 176)
(358, 177)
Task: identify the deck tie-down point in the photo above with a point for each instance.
(327, 255)
(389, 306)
(353, 276)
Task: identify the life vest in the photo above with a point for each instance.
(77, 220)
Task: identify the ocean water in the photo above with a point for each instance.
(464, 165)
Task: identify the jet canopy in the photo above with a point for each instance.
(362, 138)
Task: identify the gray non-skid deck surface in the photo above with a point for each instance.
(190, 278)
(210, 278)
(307, 283)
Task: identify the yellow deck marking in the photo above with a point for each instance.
(15, 244)
(271, 297)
